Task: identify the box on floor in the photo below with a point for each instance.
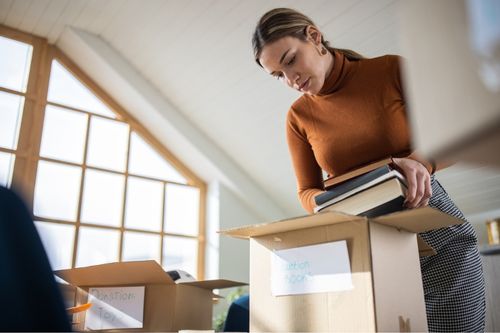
(141, 296)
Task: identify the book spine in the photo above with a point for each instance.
(350, 185)
(395, 205)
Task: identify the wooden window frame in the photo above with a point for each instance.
(27, 153)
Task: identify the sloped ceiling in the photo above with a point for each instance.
(197, 54)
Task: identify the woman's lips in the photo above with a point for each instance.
(304, 85)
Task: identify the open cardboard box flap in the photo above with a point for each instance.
(132, 273)
(214, 284)
(413, 220)
(316, 220)
(118, 273)
(418, 220)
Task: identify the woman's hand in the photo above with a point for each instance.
(418, 180)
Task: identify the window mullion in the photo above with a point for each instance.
(82, 182)
(30, 133)
(124, 208)
(29, 143)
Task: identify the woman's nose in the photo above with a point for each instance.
(292, 79)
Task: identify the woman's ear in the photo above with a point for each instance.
(313, 34)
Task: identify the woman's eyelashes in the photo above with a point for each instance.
(290, 62)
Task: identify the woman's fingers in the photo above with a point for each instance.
(420, 190)
(411, 180)
(425, 184)
(418, 180)
(428, 191)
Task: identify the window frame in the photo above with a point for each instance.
(27, 153)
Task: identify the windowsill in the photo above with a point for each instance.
(487, 250)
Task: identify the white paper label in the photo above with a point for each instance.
(116, 307)
(311, 269)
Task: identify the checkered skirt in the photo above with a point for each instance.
(453, 278)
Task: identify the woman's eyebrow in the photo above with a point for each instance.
(281, 60)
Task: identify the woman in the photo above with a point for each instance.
(352, 112)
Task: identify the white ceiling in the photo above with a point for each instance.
(197, 54)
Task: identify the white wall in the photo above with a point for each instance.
(227, 258)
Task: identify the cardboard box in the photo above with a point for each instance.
(383, 255)
(163, 304)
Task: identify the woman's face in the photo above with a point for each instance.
(298, 63)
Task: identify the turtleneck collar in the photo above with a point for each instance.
(341, 67)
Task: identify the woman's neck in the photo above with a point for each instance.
(330, 61)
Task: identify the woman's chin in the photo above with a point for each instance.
(310, 92)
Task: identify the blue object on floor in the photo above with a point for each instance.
(31, 300)
(238, 318)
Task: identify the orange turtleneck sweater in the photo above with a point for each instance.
(358, 117)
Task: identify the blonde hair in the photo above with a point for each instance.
(282, 22)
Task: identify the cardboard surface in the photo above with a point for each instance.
(167, 306)
(424, 249)
(383, 254)
(133, 273)
(297, 223)
(312, 312)
(418, 220)
(159, 310)
(190, 312)
(414, 220)
(447, 28)
(397, 281)
(214, 284)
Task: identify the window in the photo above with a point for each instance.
(101, 189)
(15, 59)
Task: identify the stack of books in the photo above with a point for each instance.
(373, 190)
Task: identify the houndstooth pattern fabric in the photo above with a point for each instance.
(453, 278)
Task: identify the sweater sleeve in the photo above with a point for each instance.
(307, 171)
(430, 164)
(427, 164)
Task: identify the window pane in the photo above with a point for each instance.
(102, 198)
(66, 89)
(108, 141)
(15, 59)
(144, 204)
(58, 242)
(57, 190)
(64, 134)
(11, 110)
(180, 253)
(139, 246)
(145, 161)
(97, 246)
(182, 209)
(6, 168)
